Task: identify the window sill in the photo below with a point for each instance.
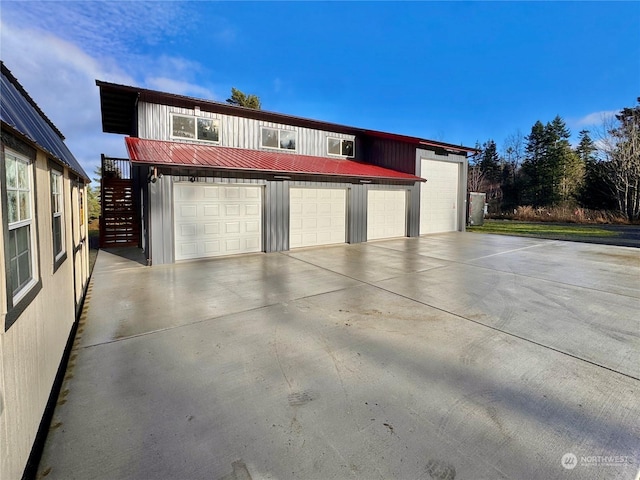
(59, 261)
(21, 302)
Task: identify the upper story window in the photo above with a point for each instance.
(340, 147)
(277, 138)
(57, 214)
(19, 188)
(195, 128)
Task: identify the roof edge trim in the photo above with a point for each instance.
(183, 100)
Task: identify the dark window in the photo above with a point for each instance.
(276, 138)
(183, 127)
(340, 147)
(57, 217)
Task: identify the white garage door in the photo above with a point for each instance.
(212, 220)
(386, 214)
(439, 197)
(318, 216)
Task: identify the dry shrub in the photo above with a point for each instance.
(566, 214)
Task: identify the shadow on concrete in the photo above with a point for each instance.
(133, 254)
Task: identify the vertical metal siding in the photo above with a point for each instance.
(167, 218)
(239, 132)
(413, 211)
(276, 216)
(358, 214)
(161, 220)
(389, 154)
(462, 195)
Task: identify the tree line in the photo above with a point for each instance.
(543, 169)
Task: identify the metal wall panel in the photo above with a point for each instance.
(161, 220)
(239, 132)
(357, 220)
(413, 211)
(276, 216)
(389, 154)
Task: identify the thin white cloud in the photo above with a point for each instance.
(58, 49)
(60, 77)
(596, 118)
(103, 27)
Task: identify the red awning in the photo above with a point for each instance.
(160, 153)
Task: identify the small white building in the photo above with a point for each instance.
(44, 254)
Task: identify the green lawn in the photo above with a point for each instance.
(542, 230)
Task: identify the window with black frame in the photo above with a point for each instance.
(278, 138)
(340, 147)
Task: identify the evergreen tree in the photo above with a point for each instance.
(586, 149)
(511, 179)
(565, 168)
(490, 161)
(595, 192)
(552, 169)
(241, 99)
(532, 167)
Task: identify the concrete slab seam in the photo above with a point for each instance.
(480, 323)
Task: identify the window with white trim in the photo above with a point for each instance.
(188, 127)
(278, 138)
(340, 147)
(19, 188)
(57, 217)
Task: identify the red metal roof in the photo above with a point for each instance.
(160, 153)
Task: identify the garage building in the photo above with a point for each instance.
(210, 179)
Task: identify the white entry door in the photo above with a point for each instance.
(212, 220)
(439, 196)
(386, 214)
(318, 216)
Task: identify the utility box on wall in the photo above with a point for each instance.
(475, 214)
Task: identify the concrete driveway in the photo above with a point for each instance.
(449, 356)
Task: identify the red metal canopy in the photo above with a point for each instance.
(160, 153)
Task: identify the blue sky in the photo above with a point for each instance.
(458, 72)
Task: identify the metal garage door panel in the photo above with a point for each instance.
(439, 197)
(386, 214)
(212, 220)
(317, 216)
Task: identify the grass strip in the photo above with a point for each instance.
(541, 229)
